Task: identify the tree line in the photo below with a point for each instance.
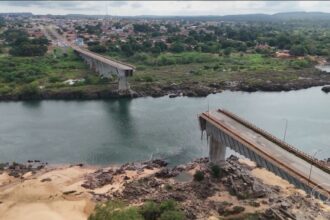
(300, 38)
(21, 45)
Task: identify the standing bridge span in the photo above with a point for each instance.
(103, 65)
(106, 66)
(225, 129)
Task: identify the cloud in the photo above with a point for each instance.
(62, 4)
(118, 3)
(136, 5)
(162, 7)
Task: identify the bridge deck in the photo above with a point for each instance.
(106, 60)
(267, 146)
(103, 59)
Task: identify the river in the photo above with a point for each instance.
(117, 131)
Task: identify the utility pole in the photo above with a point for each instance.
(310, 172)
(285, 128)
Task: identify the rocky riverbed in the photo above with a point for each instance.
(36, 190)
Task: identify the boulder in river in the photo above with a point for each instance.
(326, 89)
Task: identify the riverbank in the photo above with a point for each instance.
(32, 191)
(307, 78)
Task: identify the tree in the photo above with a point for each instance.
(40, 41)
(144, 28)
(156, 50)
(283, 41)
(227, 51)
(127, 50)
(23, 46)
(28, 49)
(161, 45)
(98, 48)
(298, 50)
(177, 47)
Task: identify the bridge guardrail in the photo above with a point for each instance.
(109, 58)
(247, 143)
(276, 140)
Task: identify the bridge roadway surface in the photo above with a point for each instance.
(318, 176)
(95, 56)
(103, 59)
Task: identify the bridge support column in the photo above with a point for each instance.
(217, 153)
(122, 81)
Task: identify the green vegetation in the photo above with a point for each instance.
(208, 55)
(117, 210)
(168, 68)
(299, 37)
(199, 176)
(215, 171)
(20, 75)
(21, 45)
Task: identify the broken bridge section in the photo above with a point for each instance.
(107, 67)
(225, 129)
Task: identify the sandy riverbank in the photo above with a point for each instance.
(56, 193)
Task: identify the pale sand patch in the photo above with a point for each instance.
(5, 179)
(57, 210)
(33, 199)
(248, 162)
(270, 178)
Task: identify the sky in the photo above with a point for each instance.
(132, 8)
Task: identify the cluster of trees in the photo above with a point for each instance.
(91, 29)
(174, 44)
(300, 38)
(22, 45)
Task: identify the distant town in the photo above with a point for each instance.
(176, 56)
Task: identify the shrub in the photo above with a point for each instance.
(150, 211)
(168, 205)
(115, 210)
(148, 79)
(54, 79)
(299, 64)
(238, 209)
(172, 215)
(215, 171)
(4, 90)
(227, 51)
(29, 89)
(168, 187)
(199, 176)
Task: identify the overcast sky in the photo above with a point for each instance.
(162, 7)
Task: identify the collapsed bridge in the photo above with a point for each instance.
(225, 129)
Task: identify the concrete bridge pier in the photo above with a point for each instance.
(217, 152)
(122, 81)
